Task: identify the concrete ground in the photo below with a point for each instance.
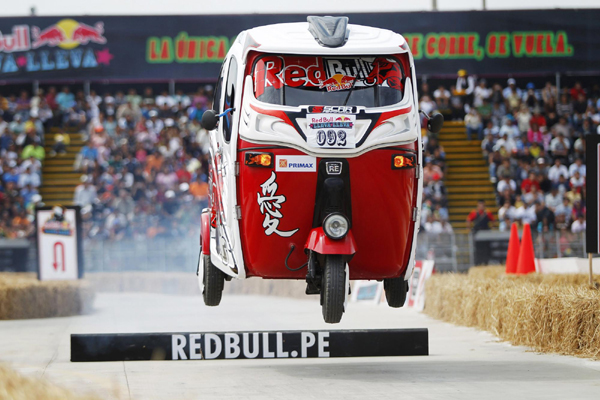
(463, 363)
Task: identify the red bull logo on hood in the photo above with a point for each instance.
(67, 34)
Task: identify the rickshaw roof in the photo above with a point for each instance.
(295, 38)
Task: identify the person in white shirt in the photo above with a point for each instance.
(512, 85)
(557, 170)
(85, 194)
(577, 180)
(510, 129)
(507, 211)
(553, 199)
(442, 97)
(28, 178)
(507, 183)
(508, 143)
(427, 105)
(578, 165)
(480, 93)
(432, 226)
(579, 225)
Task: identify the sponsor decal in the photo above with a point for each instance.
(295, 164)
(333, 109)
(57, 224)
(468, 45)
(333, 167)
(209, 346)
(186, 49)
(269, 203)
(331, 131)
(55, 47)
(329, 74)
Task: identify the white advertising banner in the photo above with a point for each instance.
(58, 257)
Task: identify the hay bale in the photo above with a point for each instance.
(23, 296)
(16, 387)
(550, 313)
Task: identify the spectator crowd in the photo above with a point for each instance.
(145, 159)
(533, 139)
(143, 166)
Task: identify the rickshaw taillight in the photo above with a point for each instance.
(401, 161)
(259, 160)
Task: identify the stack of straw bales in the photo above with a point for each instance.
(16, 387)
(550, 313)
(23, 296)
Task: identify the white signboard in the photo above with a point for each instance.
(331, 131)
(57, 244)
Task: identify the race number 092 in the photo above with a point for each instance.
(331, 138)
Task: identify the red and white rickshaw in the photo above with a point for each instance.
(315, 161)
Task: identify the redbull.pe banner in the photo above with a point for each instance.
(192, 47)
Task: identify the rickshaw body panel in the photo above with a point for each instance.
(382, 198)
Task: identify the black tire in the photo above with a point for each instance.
(333, 289)
(214, 281)
(395, 291)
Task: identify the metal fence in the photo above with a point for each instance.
(451, 252)
(457, 252)
(169, 255)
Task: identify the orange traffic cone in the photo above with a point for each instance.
(526, 263)
(512, 257)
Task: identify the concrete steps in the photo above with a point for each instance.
(58, 177)
(467, 176)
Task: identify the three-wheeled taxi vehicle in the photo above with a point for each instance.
(316, 164)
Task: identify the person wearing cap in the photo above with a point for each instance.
(465, 86)
(511, 87)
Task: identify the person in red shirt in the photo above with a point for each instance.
(480, 218)
(51, 98)
(538, 119)
(576, 91)
(183, 174)
(529, 182)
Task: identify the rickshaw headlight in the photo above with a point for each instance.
(336, 226)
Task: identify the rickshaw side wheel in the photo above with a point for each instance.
(395, 291)
(333, 289)
(214, 281)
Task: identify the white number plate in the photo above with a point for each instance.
(334, 131)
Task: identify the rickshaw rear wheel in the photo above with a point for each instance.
(395, 291)
(214, 282)
(333, 289)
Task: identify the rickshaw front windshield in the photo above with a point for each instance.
(292, 80)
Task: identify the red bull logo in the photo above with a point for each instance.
(337, 82)
(343, 119)
(67, 34)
